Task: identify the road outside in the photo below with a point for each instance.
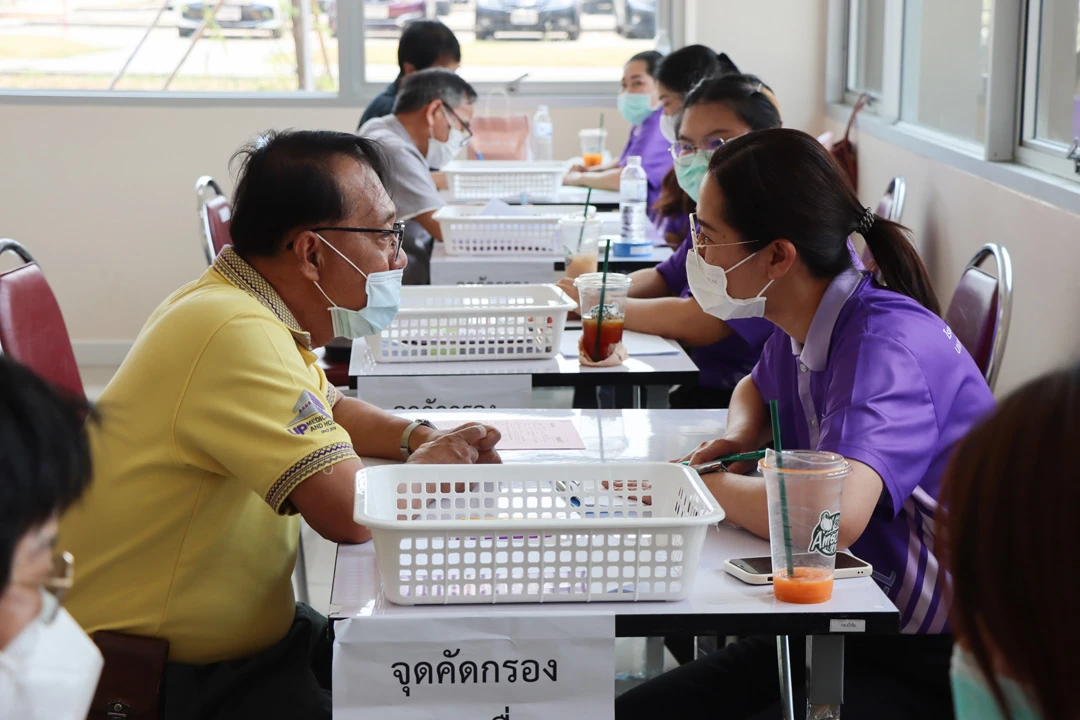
(81, 44)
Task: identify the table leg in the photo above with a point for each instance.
(824, 676)
(654, 657)
(783, 658)
(636, 398)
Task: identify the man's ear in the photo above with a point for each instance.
(407, 69)
(307, 249)
(781, 256)
(431, 111)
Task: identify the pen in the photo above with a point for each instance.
(720, 464)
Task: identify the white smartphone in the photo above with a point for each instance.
(758, 570)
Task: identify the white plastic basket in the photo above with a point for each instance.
(487, 179)
(440, 323)
(466, 231)
(458, 534)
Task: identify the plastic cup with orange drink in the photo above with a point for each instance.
(592, 146)
(813, 483)
(581, 243)
(605, 322)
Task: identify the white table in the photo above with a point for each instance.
(568, 195)
(559, 371)
(718, 603)
(449, 269)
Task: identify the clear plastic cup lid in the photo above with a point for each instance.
(596, 279)
(592, 133)
(805, 461)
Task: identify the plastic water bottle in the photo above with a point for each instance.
(542, 135)
(633, 194)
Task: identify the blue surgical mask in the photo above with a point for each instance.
(974, 700)
(691, 176)
(383, 303)
(635, 107)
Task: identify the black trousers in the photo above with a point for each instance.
(288, 681)
(885, 678)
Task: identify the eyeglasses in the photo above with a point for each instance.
(397, 232)
(466, 128)
(683, 152)
(700, 240)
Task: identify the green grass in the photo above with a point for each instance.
(30, 47)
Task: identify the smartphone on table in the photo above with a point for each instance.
(758, 570)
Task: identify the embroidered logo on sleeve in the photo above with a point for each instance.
(311, 415)
(826, 534)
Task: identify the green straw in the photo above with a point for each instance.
(581, 235)
(600, 313)
(775, 414)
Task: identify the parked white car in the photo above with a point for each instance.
(254, 15)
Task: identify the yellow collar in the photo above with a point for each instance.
(236, 270)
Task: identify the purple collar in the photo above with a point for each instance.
(815, 353)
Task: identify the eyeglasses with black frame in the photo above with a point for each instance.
(397, 231)
(466, 128)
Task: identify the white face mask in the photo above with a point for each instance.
(440, 152)
(50, 670)
(708, 283)
(667, 128)
(383, 303)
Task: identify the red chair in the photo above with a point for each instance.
(215, 216)
(981, 308)
(32, 329)
(891, 205)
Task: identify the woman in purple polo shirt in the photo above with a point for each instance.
(716, 110)
(865, 370)
(638, 105)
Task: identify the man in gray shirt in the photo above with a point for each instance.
(428, 129)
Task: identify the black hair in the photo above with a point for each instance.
(782, 183)
(686, 67)
(421, 88)
(745, 95)
(286, 181)
(424, 42)
(44, 455)
(651, 58)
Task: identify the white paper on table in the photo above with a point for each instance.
(500, 208)
(532, 434)
(420, 392)
(533, 666)
(636, 344)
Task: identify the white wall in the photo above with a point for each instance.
(781, 41)
(103, 197)
(953, 213)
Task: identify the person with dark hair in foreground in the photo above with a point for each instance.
(429, 128)
(220, 428)
(423, 44)
(1008, 513)
(48, 666)
(865, 370)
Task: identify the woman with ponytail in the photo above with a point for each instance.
(866, 370)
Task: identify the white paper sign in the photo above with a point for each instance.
(482, 667)
(448, 392)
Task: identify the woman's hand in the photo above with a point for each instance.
(574, 178)
(722, 447)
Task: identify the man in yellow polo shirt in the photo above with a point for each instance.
(220, 426)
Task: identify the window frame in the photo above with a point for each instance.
(354, 91)
(1009, 157)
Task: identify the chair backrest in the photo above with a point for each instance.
(32, 329)
(215, 216)
(891, 205)
(981, 308)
